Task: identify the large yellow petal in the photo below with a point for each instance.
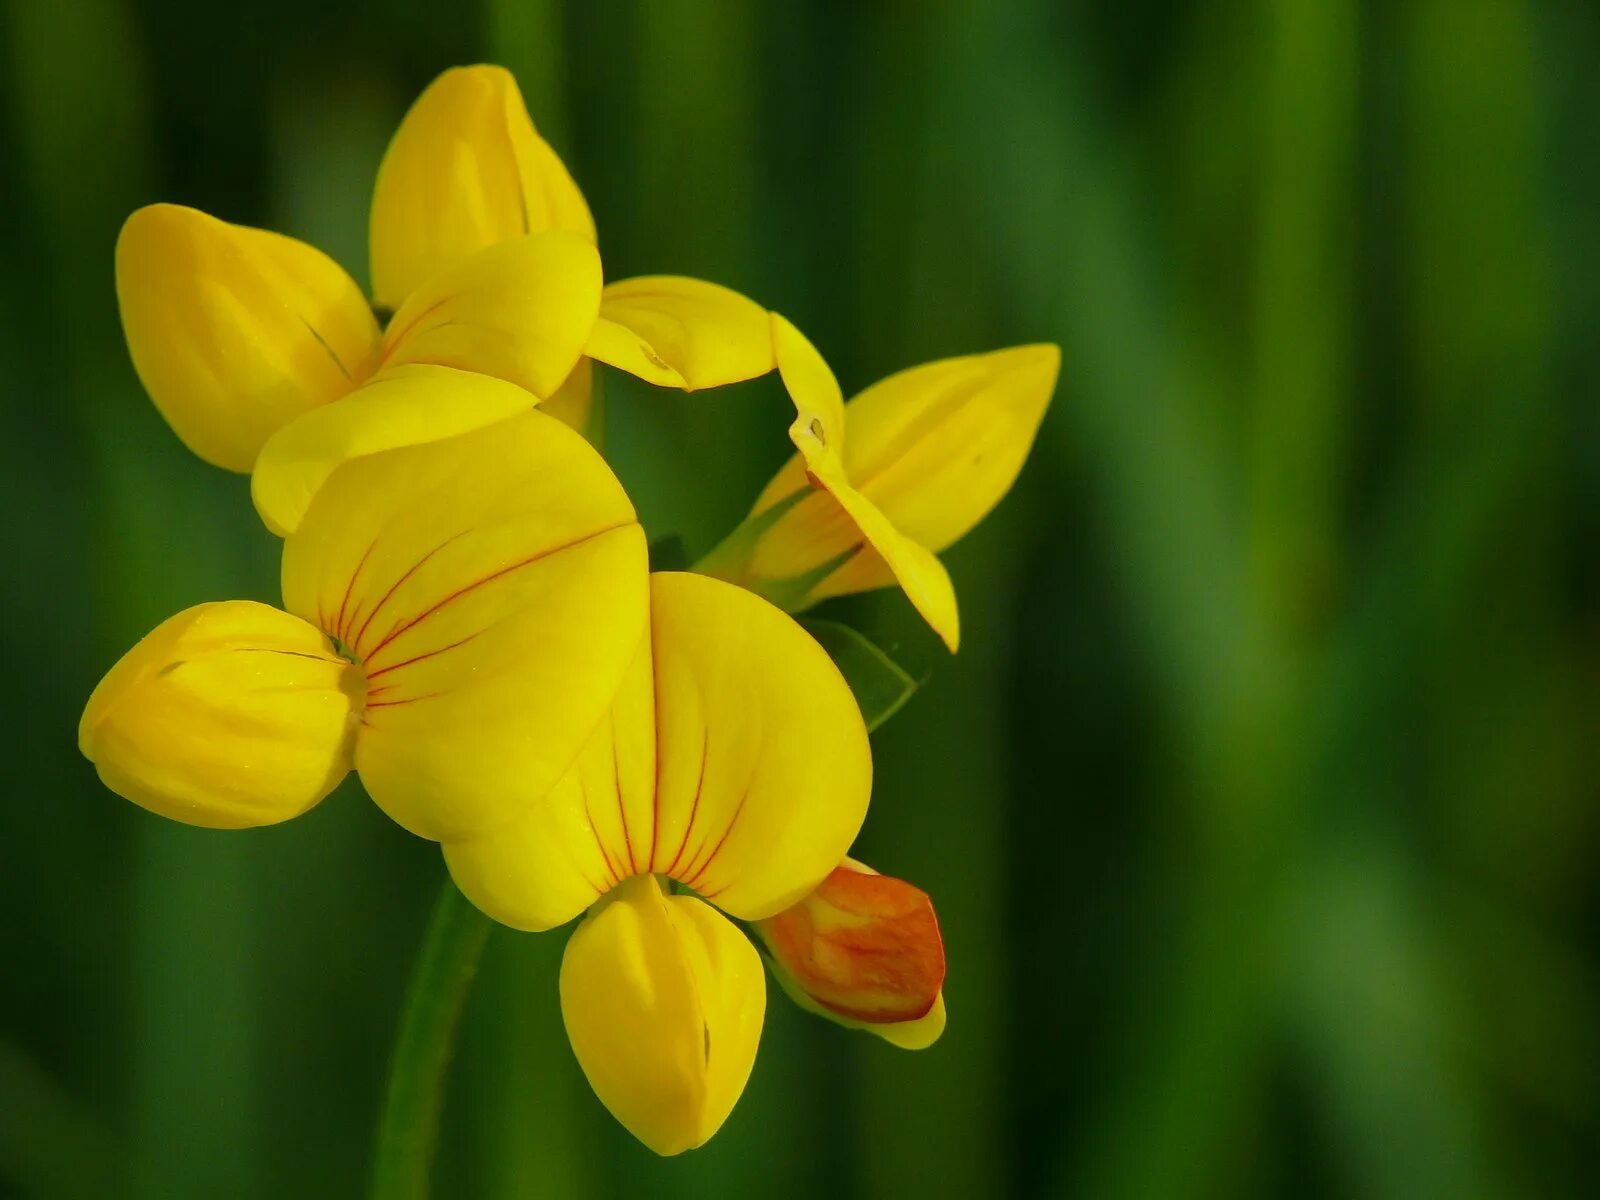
(587, 834)
(400, 406)
(493, 587)
(465, 171)
(863, 950)
(684, 333)
(763, 770)
(227, 715)
(935, 447)
(520, 311)
(236, 331)
(821, 528)
(663, 1001)
(734, 759)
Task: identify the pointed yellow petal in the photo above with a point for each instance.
(465, 171)
(685, 333)
(763, 769)
(400, 406)
(618, 346)
(236, 331)
(663, 1002)
(226, 715)
(810, 383)
(863, 950)
(493, 587)
(734, 759)
(935, 447)
(820, 529)
(520, 311)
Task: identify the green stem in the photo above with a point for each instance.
(408, 1128)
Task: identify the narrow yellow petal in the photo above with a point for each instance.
(935, 447)
(494, 589)
(810, 383)
(465, 171)
(680, 332)
(822, 528)
(663, 1001)
(236, 331)
(227, 715)
(520, 311)
(400, 406)
(734, 759)
(916, 568)
(863, 950)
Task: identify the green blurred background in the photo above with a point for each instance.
(1260, 805)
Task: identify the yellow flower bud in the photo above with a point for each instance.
(227, 715)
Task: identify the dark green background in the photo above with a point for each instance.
(1260, 805)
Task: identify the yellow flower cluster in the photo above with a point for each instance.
(470, 624)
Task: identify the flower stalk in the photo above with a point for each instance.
(408, 1126)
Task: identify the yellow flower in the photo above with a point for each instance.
(931, 450)
(863, 950)
(734, 762)
(484, 252)
(457, 618)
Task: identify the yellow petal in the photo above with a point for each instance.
(683, 333)
(520, 311)
(465, 171)
(227, 715)
(400, 406)
(819, 529)
(573, 403)
(578, 843)
(935, 447)
(493, 587)
(863, 950)
(236, 331)
(734, 759)
(663, 1001)
(810, 383)
(763, 768)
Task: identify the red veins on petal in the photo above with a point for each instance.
(864, 946)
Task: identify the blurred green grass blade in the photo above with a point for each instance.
(49, 1146)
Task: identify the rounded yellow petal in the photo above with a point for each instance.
(236, 331)
(935, 447)
(520, 311)
(464, 171)
(227, 715)
(763, 770)
(734, 759)
(576, 844)
(493, 587)
(685, 333)
(400, 406)
(863, 950)
(663, 1001)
